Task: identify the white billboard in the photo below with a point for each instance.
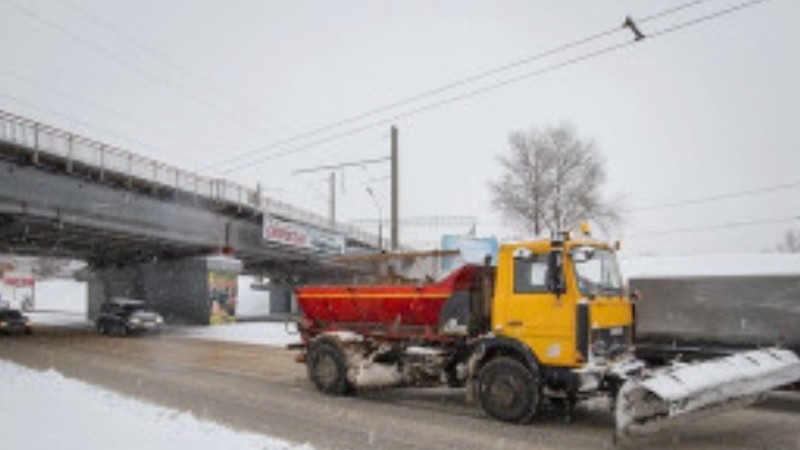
(298, 235)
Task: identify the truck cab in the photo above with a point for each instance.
(564, 299)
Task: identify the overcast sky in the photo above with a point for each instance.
(704, 111)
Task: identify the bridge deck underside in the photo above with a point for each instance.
(45, 210)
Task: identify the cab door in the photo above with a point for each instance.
(536, 313)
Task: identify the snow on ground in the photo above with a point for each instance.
(275, 334)
(77, 415)
(59, 318)
(63, 303)
(70, 296)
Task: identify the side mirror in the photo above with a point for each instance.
(555, 273)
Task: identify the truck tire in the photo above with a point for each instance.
(507, 390)
(327, 368)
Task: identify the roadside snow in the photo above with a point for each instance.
(59, 318)
(273, 334)
(73, 415)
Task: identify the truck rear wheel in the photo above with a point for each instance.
(508, 391)
(327, 368)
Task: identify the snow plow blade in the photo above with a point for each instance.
(685, 392)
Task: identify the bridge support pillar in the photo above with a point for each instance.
(281, 298)
(197, 291)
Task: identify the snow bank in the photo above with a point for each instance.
(70, 296)
(77, 415)
(273, 334)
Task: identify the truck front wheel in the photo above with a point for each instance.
(508, 391)
(327, 368)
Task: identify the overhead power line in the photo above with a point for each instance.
(132, 67)
(98, 107)
(154, 54)
(707, 17)
(362, 162)
(76, 120)
(714, 198)
(463, 81)
(722, 226)
(474, 92)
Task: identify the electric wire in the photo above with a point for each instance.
(76, 120)
(477, 91)
(468, 80)
(722, 226)
(139, 45)
(98, 107)
(132, 68)
(714, 198)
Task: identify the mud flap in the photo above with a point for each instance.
(682, 393)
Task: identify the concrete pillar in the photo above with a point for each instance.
(190, 291)
(281, 298)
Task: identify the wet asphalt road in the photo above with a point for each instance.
(262, 389)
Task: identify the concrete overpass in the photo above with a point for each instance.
(64, 195)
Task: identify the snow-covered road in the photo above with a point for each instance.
(44, 410)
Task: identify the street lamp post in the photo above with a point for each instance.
(380, 218)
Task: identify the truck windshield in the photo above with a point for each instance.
(597, 271)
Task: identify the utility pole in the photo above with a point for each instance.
(395, 193)
(332, 211)
(380, 217)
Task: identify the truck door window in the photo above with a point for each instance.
(530, 274)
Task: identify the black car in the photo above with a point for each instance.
(13, 321)
(123, 316)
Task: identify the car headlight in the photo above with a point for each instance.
(135, 320)
(159, 319)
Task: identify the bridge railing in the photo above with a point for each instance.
(39, 139)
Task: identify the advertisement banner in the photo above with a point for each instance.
(297, 235)
(223, 296)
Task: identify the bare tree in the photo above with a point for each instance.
(551, 181)
(790, 242)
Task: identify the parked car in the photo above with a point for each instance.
(12, 321)
(123, 316)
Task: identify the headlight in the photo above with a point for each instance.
(135, 320)
(599, 349)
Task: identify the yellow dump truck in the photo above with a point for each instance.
(550, 322)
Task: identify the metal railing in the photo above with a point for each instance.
(106, 159)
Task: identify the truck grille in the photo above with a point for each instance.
(609, 343)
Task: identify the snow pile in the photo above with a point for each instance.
(59, 318)
(76, 415)
(274, 334)
(711, 265)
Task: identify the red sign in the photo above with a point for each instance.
(19, 282)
